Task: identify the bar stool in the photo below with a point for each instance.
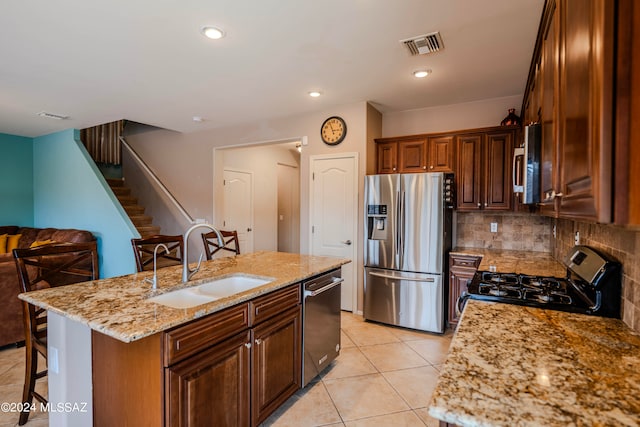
(211, 246)
(44, 267)
(143, 251)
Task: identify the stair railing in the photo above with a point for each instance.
(153, 176)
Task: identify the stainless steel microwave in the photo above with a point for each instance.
(526, 165)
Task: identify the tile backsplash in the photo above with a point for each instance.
(516, 231)
(621, 243)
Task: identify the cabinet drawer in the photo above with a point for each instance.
(274, 303)
(196, 336)
(465, 261)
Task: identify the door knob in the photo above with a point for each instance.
(248, 229)
(347, 242)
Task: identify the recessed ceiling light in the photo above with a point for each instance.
(198, 119)
(212, 32)
(315, 94)
(421, 73)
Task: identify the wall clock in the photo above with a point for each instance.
(333, 130)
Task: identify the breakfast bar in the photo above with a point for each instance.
(510, 365)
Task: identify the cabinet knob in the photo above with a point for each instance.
(486, 204)
(258, 341)
(247, 344)
(431, 167)
(479, 204)
(425, 166)
(394, 168)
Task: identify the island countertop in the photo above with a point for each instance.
(118, 306)
(510, 365)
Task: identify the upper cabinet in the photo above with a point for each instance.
(571, 87)
(419, 153)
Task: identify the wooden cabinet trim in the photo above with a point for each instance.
(265, 307)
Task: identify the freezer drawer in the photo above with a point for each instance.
(411, 300)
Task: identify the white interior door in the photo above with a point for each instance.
(238, 206)
(334, 210)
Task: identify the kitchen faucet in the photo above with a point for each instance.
(186, 271)
(154, 281)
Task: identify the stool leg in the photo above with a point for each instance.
(29, 380)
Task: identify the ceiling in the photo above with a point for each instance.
(147, 61)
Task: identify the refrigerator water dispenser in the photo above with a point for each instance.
(377, 222)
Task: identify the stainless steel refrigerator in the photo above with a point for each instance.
(407, 236)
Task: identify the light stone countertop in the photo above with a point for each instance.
(510, 365)
(117, 306)
(518, 262)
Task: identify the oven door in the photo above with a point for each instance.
(411, 300)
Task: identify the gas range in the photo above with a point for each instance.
(592, 286)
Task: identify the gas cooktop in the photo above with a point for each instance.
(592, 286)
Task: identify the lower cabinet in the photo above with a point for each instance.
(230, 368)
(461, 271)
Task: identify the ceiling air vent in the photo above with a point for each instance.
(427, 43)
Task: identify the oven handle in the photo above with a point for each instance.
(462, 299)
(336, 282)
(409, 279)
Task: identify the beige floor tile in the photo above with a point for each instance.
(369, 334)
(410, 334)
(414, 385)
(364, 396)
(392, 356)
(350, 363)
(348, 319)
(423, 413)
(11, 357)
(310, 407)
(13, 375)
(10, 394)
(434, 350)
(345, 341)
(399, 419)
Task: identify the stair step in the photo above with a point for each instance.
(121, 191)
(148, 230)
(140, 220)
(133, 209)
(115, 182)
(127, 199)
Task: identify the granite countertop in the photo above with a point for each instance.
(510, 365)
(518, 262)
(117, 306)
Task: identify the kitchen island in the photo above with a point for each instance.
(106, 336)
(510, 365)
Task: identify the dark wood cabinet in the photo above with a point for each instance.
(213, 385)
(412, 155)
(387, 157)
(276, 363)
(230, 368)
(441, 154)
(461, 271)
(484, 170)
(573, 64)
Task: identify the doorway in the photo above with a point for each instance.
(288, 208)
(238, 206)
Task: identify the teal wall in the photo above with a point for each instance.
(70, 192)
(16, 180)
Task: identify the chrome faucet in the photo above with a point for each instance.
(154, 281)
(187, 273)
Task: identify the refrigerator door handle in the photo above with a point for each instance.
(409, 279)
(398, 216)
(402, 226)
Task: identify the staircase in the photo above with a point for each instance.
(130, 204)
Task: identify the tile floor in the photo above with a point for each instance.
(383, 377)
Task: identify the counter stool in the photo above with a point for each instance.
(44, 267)
(211, 246)
(143, 251)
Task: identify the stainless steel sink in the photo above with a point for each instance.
(210, 291)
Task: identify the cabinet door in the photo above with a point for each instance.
(412, 156)
(468, 182)
(276, 362)
(441, 154)
(549, 179)
(586, 109)
(461, 271)
(387, 157)
(498, 189)
(211, 387)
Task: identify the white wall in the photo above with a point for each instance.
(470, 115)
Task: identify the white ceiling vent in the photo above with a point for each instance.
(426, 43)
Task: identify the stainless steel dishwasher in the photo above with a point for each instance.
(321, 320)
